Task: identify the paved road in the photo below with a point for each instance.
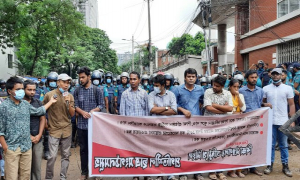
(74, 168)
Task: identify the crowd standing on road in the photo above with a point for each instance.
(54, 111)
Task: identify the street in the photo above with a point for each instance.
(74, 168)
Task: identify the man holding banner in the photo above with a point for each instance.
(162, 102)
(134, 101)
(189, 97)
(217, 101)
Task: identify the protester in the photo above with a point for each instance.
(87, 101)
(253, 98)
(15, 137)
(60, 127)
(162, 102)
(279, 95)
(217, 101)
(134, 100)
(37, 125)
(188, 97)
(239, 106)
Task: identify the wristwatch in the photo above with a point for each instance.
(167, 108)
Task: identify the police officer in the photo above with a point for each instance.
(176, 82)
(114, 82)
(3, 93)
(145, 83)
(109, 92)
(119, 80)
(97, 77)
(119, 89)
(169, 81)
(151, 81)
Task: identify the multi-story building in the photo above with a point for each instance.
(8, 65)
(267, 30)
(124, 58)
(89, 9)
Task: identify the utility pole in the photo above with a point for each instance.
(150, 46)
(141, 65)
(132, 60)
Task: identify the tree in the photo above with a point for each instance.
(187, 44)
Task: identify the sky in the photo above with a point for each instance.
(122, 19)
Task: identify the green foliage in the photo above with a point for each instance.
(51, 36)
(187, 44)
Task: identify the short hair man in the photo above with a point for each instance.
(87, 100)
(279, 95)
(15, 137)
(37, 125)
(217, 101)
(60, 127)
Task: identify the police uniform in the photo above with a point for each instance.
(118, 93)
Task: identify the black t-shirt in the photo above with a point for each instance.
(35, 120)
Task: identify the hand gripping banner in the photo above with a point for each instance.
(161, 145)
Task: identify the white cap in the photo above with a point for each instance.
(64, 77)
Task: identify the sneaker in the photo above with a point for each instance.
(286, 170)
(290, 147)
(268, 170)
(46, 155)
(159, 178)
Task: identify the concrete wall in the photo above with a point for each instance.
(6, 72)
(184, 63)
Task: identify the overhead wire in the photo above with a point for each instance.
(140, 17)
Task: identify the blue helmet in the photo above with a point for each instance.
(52, 76)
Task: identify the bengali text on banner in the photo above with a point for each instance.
(161, 145)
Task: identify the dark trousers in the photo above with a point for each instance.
(45, 143)
(83, 143)
(74, 129)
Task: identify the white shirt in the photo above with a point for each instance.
(278, 96)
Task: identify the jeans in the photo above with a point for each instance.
(282, 142)
(2, 167)
(84, 150)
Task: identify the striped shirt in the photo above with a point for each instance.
(134, 103)
(167, 99)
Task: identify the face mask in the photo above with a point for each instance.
(52, 84)
(61, 90)
(96, 82)
(276, 82)
(176, 85)
(19, 94)
(39, 81)
(108, 81)
(157, 90)
(146, 84)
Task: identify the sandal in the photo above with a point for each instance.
(199, 177)
(231, 174)
(212, 176)
(240, 174)
(222, 176)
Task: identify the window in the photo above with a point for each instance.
(287, 6)
(246, 61)
(288, 52)
(10, 61)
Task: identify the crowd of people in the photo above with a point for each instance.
(37, 117)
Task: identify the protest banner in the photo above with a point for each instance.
(161, 145)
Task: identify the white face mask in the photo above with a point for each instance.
(157, 90)
(96, 82)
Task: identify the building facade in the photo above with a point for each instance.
(268, 31)
(89, 9)
(8, 66)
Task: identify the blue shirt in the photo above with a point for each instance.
(297, 80)
(189, 100)
(253, 99)
(15, 123)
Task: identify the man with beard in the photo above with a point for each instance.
(37, 124)
(217, 101)
(253, 98)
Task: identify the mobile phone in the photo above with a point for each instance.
(54, 96)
